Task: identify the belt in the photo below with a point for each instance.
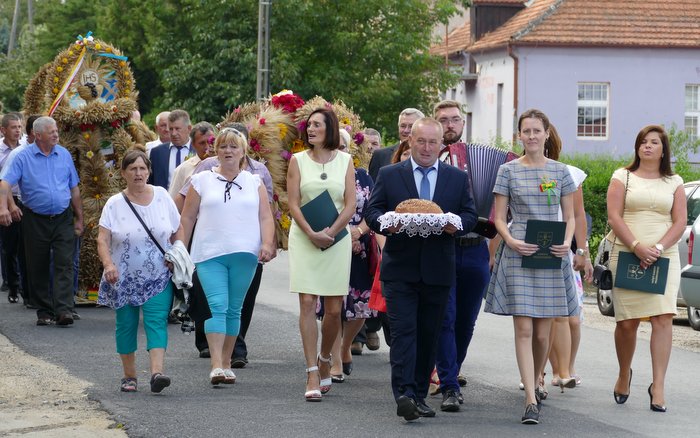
(46, 216)
(469, 241)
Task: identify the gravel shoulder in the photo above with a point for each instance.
(41, 399)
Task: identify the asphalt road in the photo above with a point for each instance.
(267, 399)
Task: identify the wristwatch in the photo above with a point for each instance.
(660, 247)
(580, 252)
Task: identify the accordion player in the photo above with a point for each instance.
(481, 162)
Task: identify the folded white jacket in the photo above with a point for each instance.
(183, 268)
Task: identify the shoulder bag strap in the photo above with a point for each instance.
(145, 227)
(624, 205)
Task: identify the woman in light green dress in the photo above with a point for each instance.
(317, 265)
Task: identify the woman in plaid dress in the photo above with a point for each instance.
(532, 187)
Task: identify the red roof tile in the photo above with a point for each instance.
(499, 2)
(629, 23)
(457, 40)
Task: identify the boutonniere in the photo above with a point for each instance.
(547, 186)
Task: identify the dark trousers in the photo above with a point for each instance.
(240, 349)
(13, 264)
(462, 310)
(43, 235)
(415, 314)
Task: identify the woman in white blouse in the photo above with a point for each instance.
(234, 231)
(135, 275)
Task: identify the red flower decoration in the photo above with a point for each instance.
(288, 102)
(210, 140)
(359, 138)
(302, 126)
(254, 145)
(286, 154)
(237, 110)
(261, 121)
(116, 123)
(275, 197)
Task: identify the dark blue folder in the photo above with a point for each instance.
(320, 213)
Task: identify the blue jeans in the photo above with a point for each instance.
(462, 310)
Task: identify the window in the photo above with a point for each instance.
(593, 106)
(692, 110)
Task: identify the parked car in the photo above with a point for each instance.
(692, 195)
(690, 278)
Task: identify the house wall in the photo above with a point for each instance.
(493, 68)
(647, 86)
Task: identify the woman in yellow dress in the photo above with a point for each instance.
(648, 221)
(317, 266)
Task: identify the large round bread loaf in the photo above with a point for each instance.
(418, 206)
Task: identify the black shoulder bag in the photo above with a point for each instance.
(602, 275)
(198, 306)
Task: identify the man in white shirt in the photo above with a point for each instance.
(161, 128)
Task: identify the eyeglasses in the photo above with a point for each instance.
(453, 120)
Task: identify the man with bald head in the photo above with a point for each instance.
(418, 272)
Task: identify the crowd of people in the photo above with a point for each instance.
(196, 214)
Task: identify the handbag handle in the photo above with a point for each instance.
(126, 198)
(624, 205)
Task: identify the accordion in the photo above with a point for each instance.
(481, 162)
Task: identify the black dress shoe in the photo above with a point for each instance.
(204, 353)
(347, 368)
(65, 319)
(653, 406)
(238, 362)
(622, 398)
(450, 402)
(425, 410)
(407, 408)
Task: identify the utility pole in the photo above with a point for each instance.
(13, 32)
(30, 15)
(263, 76)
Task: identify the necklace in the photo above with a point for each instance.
(323, 165)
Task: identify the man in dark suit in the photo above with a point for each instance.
(417, 272)
(167, 156)
(382, 157)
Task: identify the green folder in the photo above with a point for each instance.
(630, 275)
(544, 234)
(320, 213)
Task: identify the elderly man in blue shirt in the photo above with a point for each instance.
(52, 216)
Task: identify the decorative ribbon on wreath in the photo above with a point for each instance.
(81, 41)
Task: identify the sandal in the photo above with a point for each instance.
(434, 387)
(217, 376)
(128, 384)
(159, 382)
(229, 376)
(313, 395)
(328, 381)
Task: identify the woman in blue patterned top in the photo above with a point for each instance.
(532, 187)
(135, 275)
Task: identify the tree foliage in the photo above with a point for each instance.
(201, 55)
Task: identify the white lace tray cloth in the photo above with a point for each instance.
(423, 224)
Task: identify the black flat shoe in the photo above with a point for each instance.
(622, 398)
(12, 298)
(407, 408)
(652, 406)
(424, 410)
(347, 368)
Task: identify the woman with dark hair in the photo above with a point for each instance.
(647, 216)
(401, 153)
(532, 187)
(135, 275)
(319, 266)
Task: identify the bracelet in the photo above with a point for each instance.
(634, 244)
